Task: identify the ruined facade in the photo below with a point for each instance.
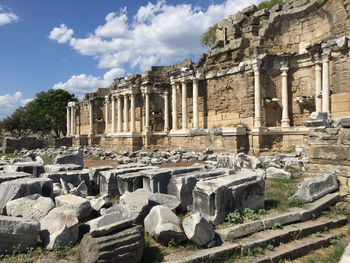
(267, 71)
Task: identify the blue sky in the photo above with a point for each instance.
(82, 45)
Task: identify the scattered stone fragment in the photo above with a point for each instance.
(316, 187)
(80, 206)
(198, 230)
(14, 189)
(162, 224)
(33, 207)
(273, 172)
(120, 246)
(73, 157)
(17, 234)
(59, 227)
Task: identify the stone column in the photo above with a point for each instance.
(132, 112)
(318, 88)
(173, 106)
(72, 119)
(126, 113)
(325, 82)
(119, 114)
(113, 115)
(147, 111)
(166, 111)
(195, 104)
(106, 121)
(285, 115)
(184, 105)
(257, 96)
(68, 121)
(91, 132)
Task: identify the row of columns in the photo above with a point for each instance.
(71, 124)
(321, 87)
(183, 86)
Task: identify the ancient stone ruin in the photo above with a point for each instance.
(267, 71)
(274, 80)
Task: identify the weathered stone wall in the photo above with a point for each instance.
(10, 144)
(291, 31)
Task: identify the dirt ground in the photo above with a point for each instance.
(88, 163)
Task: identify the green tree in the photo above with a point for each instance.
(269, 4)
(46, 113)
(17, 123)
(208, 37)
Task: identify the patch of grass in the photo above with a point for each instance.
(264, 165)
(47, 159)
(173, 244)
(277, 225)
(277, 193)
(291, 169)
(65, 251)
(115, 199)
(332, 255)
(29, 256)
(151, 252)
(92, 157)
(11, 155)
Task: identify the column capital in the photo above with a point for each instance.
(326, 54)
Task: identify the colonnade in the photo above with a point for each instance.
(183, 86)
(71, 120)
(322, 89)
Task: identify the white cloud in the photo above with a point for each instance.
(7, 17)
(61, 34)
(159, 34)
(9, 103)
(81, 84)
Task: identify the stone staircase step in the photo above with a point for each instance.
(297, 249)
(264, 238)
(313, 210)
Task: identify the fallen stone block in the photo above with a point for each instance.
(94, 173)
(129, 182)
(162, 224)
(182, 185)
(244, 161)
(17, 234)
(5, 176)
(59, 227)
(153, 199)
(72, 157)
(216, 197)
(98, 203)
(33, 207)
(74, 177)
(273, 172)
(122, 246)
(14, 189)
(316, 187)
(198, 230)
(157, 180)
(80, 206)
(33, 168)
(54, 168)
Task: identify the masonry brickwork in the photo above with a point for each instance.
(264, 75)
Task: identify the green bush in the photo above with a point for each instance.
(234, 217)
(269, 4)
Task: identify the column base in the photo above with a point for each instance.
(257, 122)
(285, 123)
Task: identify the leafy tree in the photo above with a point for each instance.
(269, 4)
(208, 37)
(47, 111)
(17, 123)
